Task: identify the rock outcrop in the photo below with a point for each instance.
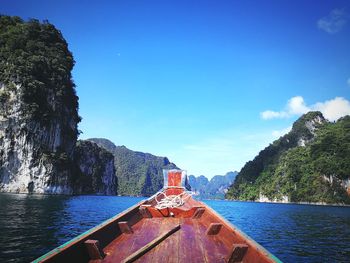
(39, 152)
(38, 108)
(138, 173)
(96, 172)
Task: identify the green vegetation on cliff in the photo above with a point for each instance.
(309, 164)
(35, 57)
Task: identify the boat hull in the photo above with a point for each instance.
(142, 232)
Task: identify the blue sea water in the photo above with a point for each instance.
(31, 225)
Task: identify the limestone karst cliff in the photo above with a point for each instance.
(39, 152)
(38, 108)
(215, 188)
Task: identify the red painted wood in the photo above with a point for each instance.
(174, 191)
(174, 178)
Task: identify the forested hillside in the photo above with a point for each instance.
(138, 173)
(309, 164)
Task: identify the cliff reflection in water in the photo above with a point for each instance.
(28, 224)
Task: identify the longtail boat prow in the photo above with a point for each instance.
(170, 226)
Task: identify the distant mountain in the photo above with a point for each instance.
(309, 164)
(213, 189)
(138, 173)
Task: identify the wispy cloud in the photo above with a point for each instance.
(269, 114)
(331, 109)
(295, 106)
(333, 22)
(348, 81)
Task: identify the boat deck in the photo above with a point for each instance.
(170, 226)
(189, 244)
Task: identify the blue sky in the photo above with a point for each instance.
(206, 83)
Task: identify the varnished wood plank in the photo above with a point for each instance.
(144, 232)
(122, 246)
(94, 249)
(238, 253)
(125, 228)
(190, 248)
(169, 248)
(151, 230)
(214, 228)
(150, 245)
(214, 250)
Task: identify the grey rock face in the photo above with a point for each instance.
(96, 170)
(34, 156)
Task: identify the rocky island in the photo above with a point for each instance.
(39, 151)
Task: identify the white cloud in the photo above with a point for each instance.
(269, 114)
(295, 106)
(331, 109)
(333, 22)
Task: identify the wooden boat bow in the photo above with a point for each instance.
(147, 232)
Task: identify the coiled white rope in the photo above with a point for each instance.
(171, 201)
